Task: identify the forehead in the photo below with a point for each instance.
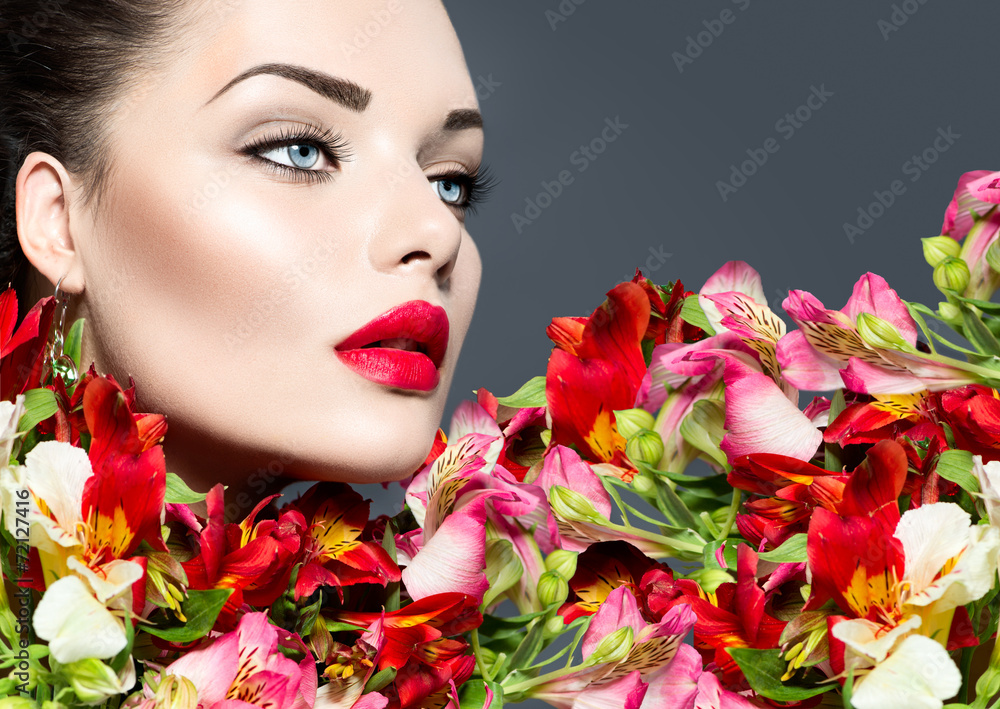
(405, 52)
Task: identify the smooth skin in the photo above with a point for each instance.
(221, 285)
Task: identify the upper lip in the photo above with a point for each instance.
(416, 320)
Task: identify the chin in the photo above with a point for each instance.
(375, 449)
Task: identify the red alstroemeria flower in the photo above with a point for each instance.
(22, 353)
(735, 615)
(788, 488)
(885, 416)
(334, 554)
(418, 646)
(124, 498)
(597, 367)
(974, 414)
(853, 556)
(605, 566)
(255, 560)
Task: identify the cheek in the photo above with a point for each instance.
(466, 279)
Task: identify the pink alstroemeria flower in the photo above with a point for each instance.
(827, 351)
(640, 678)
(245, 668)
(762, 414)
(972, 217)
(462, 492)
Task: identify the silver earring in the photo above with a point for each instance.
(59, 362)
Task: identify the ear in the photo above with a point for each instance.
(44, 191)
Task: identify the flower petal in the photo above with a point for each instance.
(75, 624)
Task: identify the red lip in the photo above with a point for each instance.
(416, 320)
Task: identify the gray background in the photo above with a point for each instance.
(653, 190)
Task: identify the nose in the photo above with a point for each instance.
(420, 235)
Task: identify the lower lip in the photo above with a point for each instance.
(403, 369)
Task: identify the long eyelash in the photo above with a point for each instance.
(333, 145)
(477, 185)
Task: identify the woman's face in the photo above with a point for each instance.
(296, 173)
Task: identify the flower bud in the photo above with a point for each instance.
(572, 506)
(17, 703)
(503, 568)
(993, 256)
(938, 248)
(704, 428)
(950, 313)
(93, 681)
(486, 655)
(554, 626)
(881, 334)
(630, 421)
(552, 589)
(644, 484)
(710, 579)
(562, 562)
(645, 447)
(613, 648)
(953, 274)
(176, 692)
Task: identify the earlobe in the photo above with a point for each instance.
(44, 190)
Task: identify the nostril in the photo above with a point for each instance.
(415, 254)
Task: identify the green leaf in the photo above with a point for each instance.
(73, 342)
(672, 506)
(392, 589)
(201, 608)
(792, 551)
(118, 663)
(531, 394)
(337, 627)
(497, 627)
(956, 466)
(530, 646)
(380, 680)
(692, 314)
(977, 333)
(708, 555)
(763, 670)
(473, 695)
(39, 404)
(178, 493)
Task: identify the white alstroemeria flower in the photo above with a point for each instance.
(988, 475)
(949, 562)
(918, 675)
(55, 474)
(75, 624)
(11, 476)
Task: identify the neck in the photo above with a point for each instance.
(202, 463)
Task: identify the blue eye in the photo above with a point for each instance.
(301, 156)
(449, 190)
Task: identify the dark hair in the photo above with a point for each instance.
(64, 66)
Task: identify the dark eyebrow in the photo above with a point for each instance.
(462, 118)
(343, 91)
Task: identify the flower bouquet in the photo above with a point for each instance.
(843, 553)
